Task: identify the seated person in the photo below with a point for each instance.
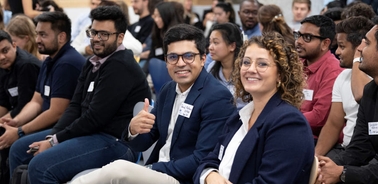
(54, 88)
(18, 77)
(225, 42)
(344, 108)
(88, 133)
(185, 124)
(359, 162)
(82, 43)
(258, 144)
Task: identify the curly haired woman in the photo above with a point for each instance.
(268, 140)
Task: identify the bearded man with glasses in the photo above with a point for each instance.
(321, 68)
(188, 117)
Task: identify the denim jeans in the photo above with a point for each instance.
(63, 161)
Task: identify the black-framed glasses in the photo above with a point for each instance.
(261, 65)
(306, 37)
(187, 57)
(102, 35)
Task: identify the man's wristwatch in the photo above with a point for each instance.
(358, 59)
(342, 176)
(20, 132)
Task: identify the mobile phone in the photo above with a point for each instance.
(32, 150)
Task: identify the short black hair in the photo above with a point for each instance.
(59, 22)
(251, 1)
(355, 28)
(185, 32)
(334, 4)
(334, 13)
(358, 8)
(325, 24)
(113, 13)
(5, 36)
(375, 19)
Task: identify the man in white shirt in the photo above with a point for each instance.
(344, 108)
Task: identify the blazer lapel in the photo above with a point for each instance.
(249, 143)
(190, 99)
(167, 107)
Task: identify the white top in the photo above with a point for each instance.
(179, 100)
(342, 92)
(82, 41)
(81, 23)
(230, 152)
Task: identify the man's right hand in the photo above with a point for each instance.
(10, 122)
(143, 121)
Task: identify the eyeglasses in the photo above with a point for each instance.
(246, 12)
(187, 57)
(102, 35)
(261, 65)
(306, 37)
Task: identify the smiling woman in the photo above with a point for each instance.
(257, 143)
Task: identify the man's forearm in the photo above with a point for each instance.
(327, 139)
(29, 112)
(44, 120)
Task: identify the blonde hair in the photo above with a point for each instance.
(290, 69)
(22, 26)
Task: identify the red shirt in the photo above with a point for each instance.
(320, 78)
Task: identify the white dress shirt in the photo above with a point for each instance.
(230, 152)
(179, 100)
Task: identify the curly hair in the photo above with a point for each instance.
(290, 69)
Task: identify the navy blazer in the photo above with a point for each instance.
(193, 138)
(278, 148)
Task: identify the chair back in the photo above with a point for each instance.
(159, 73)
(314, 171)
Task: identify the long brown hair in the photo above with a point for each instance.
(271, 18)
(22, 26)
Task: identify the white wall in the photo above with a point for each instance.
(285, 6)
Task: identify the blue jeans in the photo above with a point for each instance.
(62, 162)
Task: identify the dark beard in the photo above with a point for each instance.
(107, 50)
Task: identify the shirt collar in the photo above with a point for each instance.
(255, 31)
(94, 59)
(317, 64)
(185, 93)
(246, 112)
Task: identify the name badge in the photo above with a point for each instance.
(13, 91)
(137, 29)
(158, 51)
(47, 90)
(185, 110)
(221, 150)
(373, 128)
(308, 94)
(91, 86)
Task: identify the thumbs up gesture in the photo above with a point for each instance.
(143, 121)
